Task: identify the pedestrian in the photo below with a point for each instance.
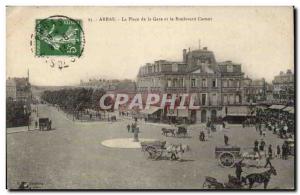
(283, 151)
(128, 128)
(255, 146)
(262, 145)
(201, 136)
(270, 151)
(36, 124)
(238, 169)
(278, 151)
(268, 161)
(226, 139)
(208, 132)
(50, 124)
(256, 126)
(132, 128)
(259, 128)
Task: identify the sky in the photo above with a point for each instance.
(259, 38)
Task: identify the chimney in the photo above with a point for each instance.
(184, 55)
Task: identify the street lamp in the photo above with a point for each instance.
(27, 116)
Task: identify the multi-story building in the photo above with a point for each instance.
(215, 84)
(247, 92)
(283, 87)
(18, 89)
(11, 89)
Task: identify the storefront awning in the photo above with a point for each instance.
(277, 107)
(287, 109)
(151, 110)
(182, 113)
(292, 111)
(239, 111)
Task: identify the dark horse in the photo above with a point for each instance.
(263, 177)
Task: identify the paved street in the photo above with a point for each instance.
(72, 157)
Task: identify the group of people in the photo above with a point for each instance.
(279, 123)
(130, 128)
(281, 152)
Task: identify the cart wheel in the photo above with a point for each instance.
(226, 159)
(151, 151)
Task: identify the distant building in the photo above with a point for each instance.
(283, 87)
(18, 89)
(11, 89)
(215, 84)
(247, 92)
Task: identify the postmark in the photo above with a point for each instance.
(58, 36)
(59, 40)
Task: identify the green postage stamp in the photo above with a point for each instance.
(58, 36)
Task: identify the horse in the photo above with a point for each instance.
(177, 150)
(167, 131)
(263, 177)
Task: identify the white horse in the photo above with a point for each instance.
(176, 150)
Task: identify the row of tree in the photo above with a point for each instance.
(74, 100)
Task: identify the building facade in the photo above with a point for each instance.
(18, 89)
(214, 84)
(283, 87)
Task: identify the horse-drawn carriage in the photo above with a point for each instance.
(44, 123)
(181, 131)
(246, 181)
(157, 150)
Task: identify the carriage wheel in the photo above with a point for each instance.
(226, 159)
(153, 153)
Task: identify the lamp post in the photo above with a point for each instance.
(27, 116)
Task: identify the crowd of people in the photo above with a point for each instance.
(279, 122)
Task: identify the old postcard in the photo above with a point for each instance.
(137, 98)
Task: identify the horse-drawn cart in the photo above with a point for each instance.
(181, 131)
(157, 149)
(227, 155)
(153, 149)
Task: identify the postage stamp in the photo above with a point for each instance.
(58, 36)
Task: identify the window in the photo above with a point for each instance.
(174, 67)
(225, 83)
(214, 83)
(203, 99)
(180, 82)
(214, 99)
(225, 99)
(237, 98)
(230, 84)
(193, 82)
(174, 82)
(169, 83)
(229, 68)
(231, 99)
(204, 83)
